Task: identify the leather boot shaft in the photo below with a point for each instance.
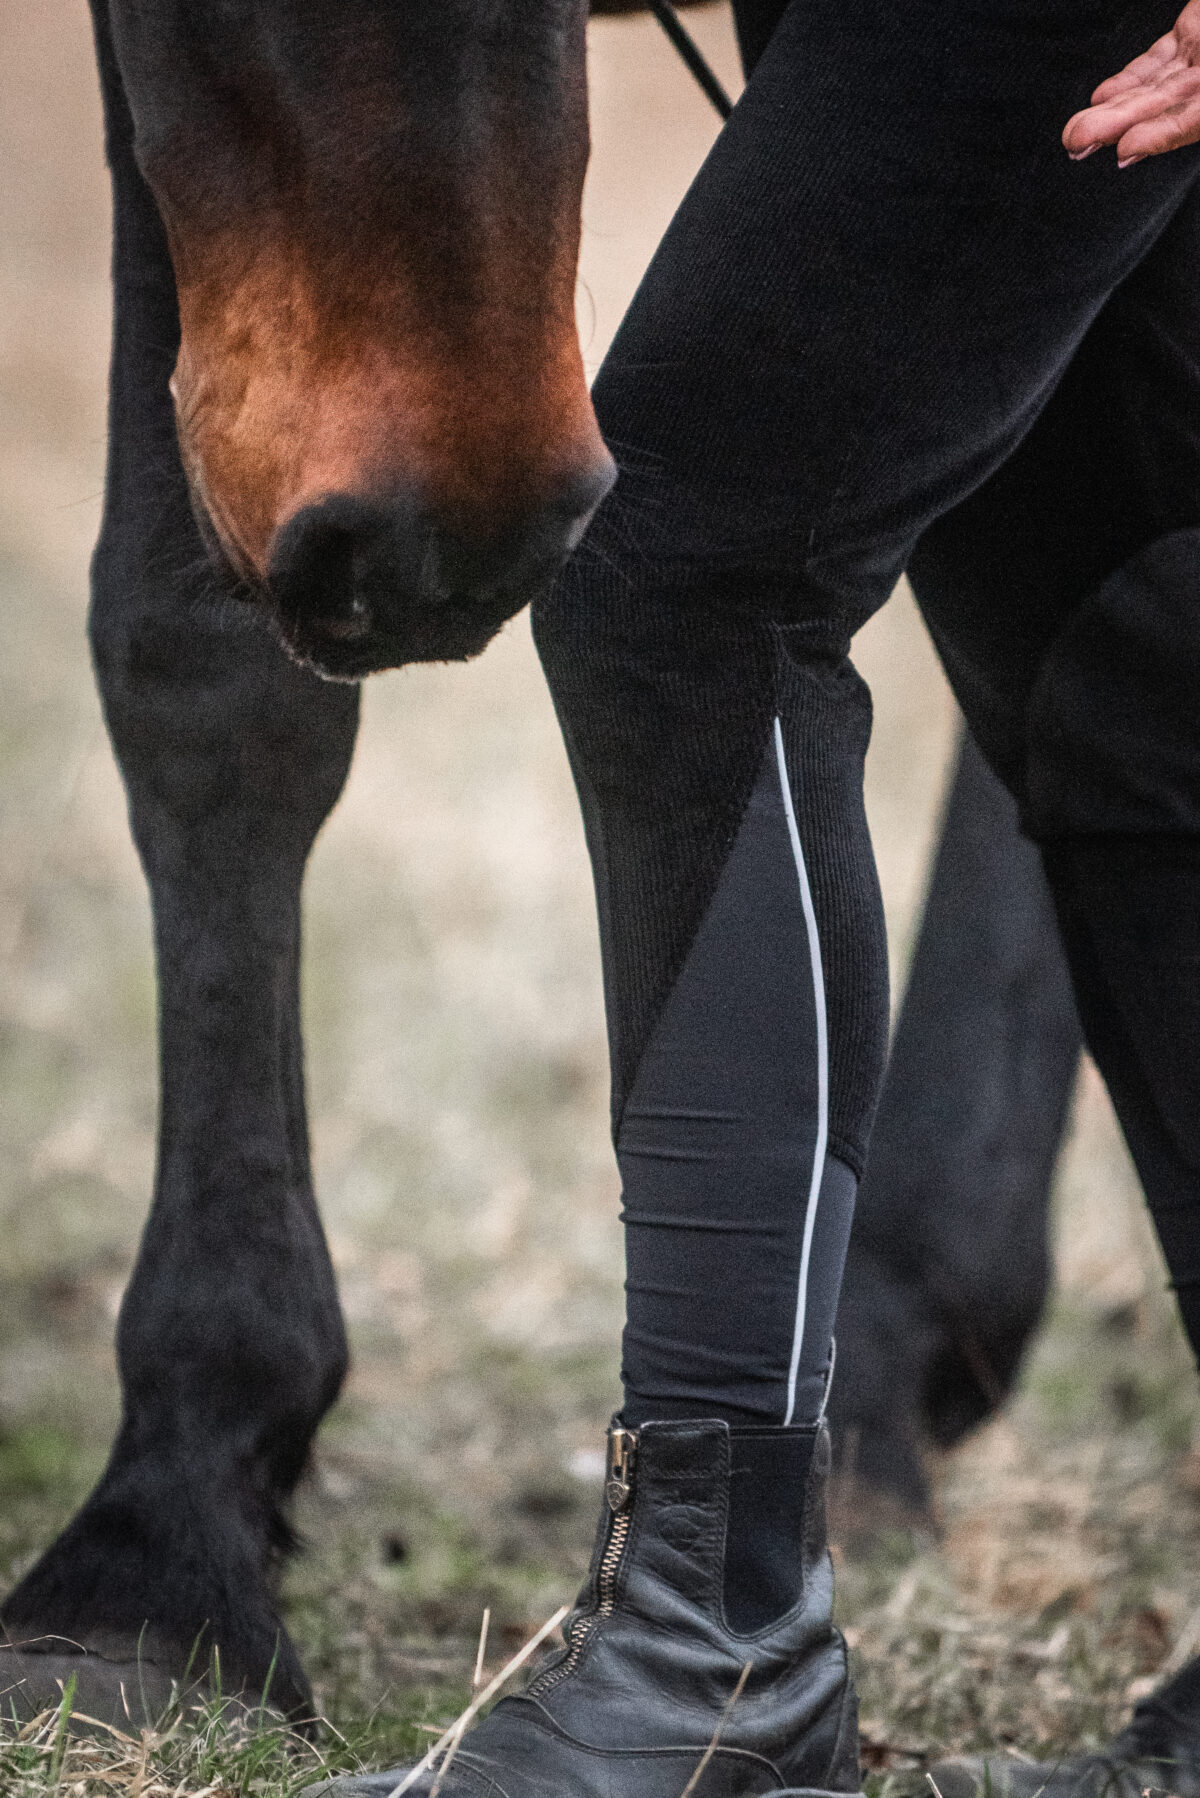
(653, 1617)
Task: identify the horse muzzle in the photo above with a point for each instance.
(357, 584)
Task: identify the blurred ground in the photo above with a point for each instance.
(458, 1086)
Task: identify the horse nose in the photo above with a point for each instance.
(361, 583)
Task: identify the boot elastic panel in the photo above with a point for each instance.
(764, 1543)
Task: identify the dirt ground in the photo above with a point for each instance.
(458, 1086)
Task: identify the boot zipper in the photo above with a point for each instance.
(618, 1491)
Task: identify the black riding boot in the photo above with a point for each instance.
(1157, 1751)
(708, 1559)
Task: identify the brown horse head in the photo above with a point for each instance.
(373, 215)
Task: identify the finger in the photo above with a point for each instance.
(1149, 67)
(1108, 123)
(1101, 125)
(1169, 131)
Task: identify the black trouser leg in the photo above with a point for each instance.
(719, 763)
(1062, 596)
(1086, 703)
(797, 406)
(230, 1342)
(957, 1183)
(1130, 913)
(797, 397)
(1114, 794)
(746, 977)
(1113, 786)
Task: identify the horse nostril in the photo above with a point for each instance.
(463, 565)
(332, 564)
(325, 589)
(360, 583)
(312, 566)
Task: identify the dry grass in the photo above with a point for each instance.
(197, 1752)
(459, 1108)
(1067, 1581)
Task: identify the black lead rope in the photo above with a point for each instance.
(689, 50)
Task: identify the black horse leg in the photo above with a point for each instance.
(230, 1342)
(949, 1263)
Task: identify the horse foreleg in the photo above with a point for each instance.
(949, 1265)
(230, 1342)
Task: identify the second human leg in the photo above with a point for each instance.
(230, 1342)
(1092, 536)
(1081, 695)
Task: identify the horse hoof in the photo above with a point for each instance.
(1109, 1774)
(127, 1694)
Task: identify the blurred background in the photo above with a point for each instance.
(458, 1081)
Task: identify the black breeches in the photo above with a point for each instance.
(891, 325)
(723, 1143)
(745, 974)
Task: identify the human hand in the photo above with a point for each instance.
(1153, 105)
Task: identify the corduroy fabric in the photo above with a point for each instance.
(699, 896)
(891, 324)
(667, 709)
(724, 1153)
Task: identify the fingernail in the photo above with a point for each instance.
(1082, 155)
(1128, 161)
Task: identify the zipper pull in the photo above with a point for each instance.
(622, 1453)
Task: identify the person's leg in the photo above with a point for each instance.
(745, 967)
(880, 274)
(1082, 695)
(728, 1115)
(768, 479)
(1114, 793)
(1091, 538)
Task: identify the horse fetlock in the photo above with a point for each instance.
(232, 1308)
(971, 1373)
(168, 1563)
(246, 1399)
(878, 1425)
